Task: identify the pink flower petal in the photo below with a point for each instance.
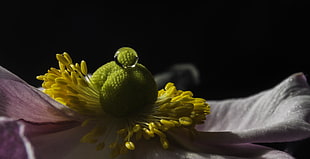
(22, 101)
(37, 129)
(13, 143)
(278, 115)
(65, 145)
(152, 150)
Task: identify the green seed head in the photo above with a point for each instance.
(126, 86)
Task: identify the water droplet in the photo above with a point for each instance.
(126, 57)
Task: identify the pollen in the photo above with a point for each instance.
(121, 98)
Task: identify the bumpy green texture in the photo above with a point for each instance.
(126, 57)
(124, 91)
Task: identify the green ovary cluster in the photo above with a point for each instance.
(126, 87)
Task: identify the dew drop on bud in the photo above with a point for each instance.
(126, 57)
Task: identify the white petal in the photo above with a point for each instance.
(152, 150)
(277, 115)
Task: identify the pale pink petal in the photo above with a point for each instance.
(68, 146)
(153, 150)
(36, 129)
(277, 115)
(22, 101)
(13, 143)
(65, 145)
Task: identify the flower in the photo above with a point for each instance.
(71, 109)
(125, 92)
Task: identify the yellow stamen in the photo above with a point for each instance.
(69, 86)
(130, 145)
(186, 121)
(83, 67)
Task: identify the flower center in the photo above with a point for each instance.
(121, 96)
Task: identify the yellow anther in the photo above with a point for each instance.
(162, 107)
(164, 142)
(74, 78)
(55, 88)
(61, 66)
(83, 67)
(185, 109)
(200, 100)
(159, 133)
(171, 91)
(72, 67)
(167, 123)
(67, 56)
(130, 145)
(60, 81)
(187, 93)
(136, 128)
(41, 77)
(51, 76)
(168, 85)
(183, 98)
(148, 132)
(53, 70)
(77, 66)
(151, 126)
(158, 124)
(186, 121)
(161, 101)
(60, 100)
(160, 93)
(199, 105)
(66, 75)
(62, 59)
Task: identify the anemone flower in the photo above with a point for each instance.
(117, 112)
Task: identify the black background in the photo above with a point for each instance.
(240, 48)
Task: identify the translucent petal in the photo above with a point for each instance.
(277, 115)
